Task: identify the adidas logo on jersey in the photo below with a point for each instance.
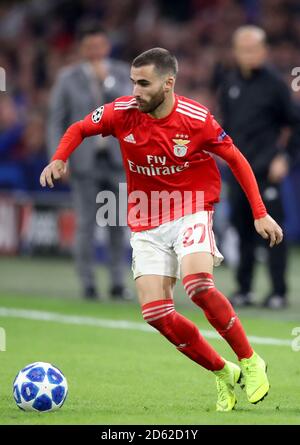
(130, 138)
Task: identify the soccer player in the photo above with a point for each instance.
(166, 142)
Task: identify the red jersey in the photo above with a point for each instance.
(168, 160)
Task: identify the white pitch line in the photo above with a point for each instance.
(117, 324)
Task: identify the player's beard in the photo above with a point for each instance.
(153, 103)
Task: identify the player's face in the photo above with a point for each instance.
(94, 47)
(249, 52)
(149, 87)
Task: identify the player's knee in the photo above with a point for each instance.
(199, 287)
(158, 312)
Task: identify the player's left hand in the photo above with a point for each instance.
(55, 170)
(268, 228)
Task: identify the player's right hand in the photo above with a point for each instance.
(55, 170)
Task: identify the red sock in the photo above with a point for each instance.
(219, 312)
(182, 333)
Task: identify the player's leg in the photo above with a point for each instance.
(198, 281)
(155, 293)
(156, 298)
(197, 261)
(151, 260)
(199, 285)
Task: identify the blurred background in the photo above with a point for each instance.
(37, 39)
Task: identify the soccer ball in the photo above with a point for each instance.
(40, 387)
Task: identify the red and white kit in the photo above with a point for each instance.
(169, 155)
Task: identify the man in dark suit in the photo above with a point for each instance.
(97, 165)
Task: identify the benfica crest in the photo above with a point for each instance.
(180, 147)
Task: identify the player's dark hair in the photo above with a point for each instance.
(89, 29)
(161, 58)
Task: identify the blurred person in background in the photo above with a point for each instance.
(256, 105)
(97, 166)
(22, 147)
(34, 149)
(11, 133)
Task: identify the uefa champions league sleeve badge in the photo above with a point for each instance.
(97, 114)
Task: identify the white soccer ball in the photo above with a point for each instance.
(40, 387)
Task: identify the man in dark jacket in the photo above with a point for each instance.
(256, 105)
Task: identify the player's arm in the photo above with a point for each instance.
(218, 142)
(98, 122)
